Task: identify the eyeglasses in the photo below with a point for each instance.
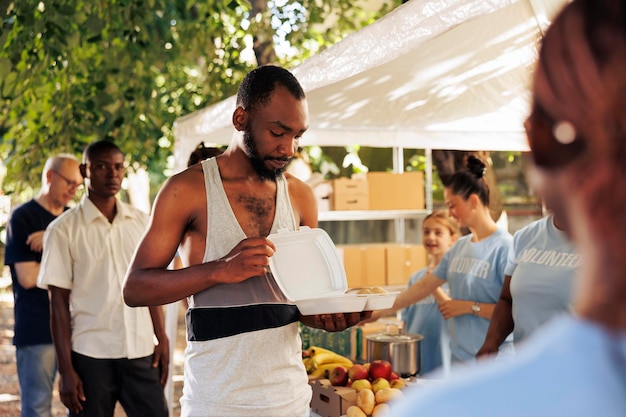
(70, 183)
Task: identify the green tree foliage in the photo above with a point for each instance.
(75, 71)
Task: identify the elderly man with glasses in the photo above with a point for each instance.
(36, 364)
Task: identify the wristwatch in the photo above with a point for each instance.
(476, 308)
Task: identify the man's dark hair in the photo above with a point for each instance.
(260, 83)
(99, 147)
(201, 153)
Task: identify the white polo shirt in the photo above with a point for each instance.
(86, 254)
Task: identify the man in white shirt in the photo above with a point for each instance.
(105, 349)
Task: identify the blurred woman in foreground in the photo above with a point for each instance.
(576, 366)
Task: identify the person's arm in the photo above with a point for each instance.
(501, 324)
(70, 384)
(416, 292)
(149, 282)
(27, 273)
(161, 357)
(23, 247)
(335, 322)
(35, 241)
(454, 308)
(441, 296)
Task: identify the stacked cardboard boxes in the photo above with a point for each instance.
(364, 264)
(350, 194)
(381, 264)
(379, 191)
(402, 261)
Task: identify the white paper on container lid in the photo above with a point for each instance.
(307, 264)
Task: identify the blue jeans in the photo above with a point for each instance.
(36, 370)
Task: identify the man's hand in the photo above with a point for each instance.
(250, 258)
(35, 241)
(71, 391)
(161, 359)
(335, 322)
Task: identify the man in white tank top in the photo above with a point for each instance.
(243, 356)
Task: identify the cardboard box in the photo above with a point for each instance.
(402, 261)
(396, 191)
(350, 202)
(365, 265)
(351, 257)
(329, 401)
(374, 265)
(352, 264)
(350, 186)
(350, 194)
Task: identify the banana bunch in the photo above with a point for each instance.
(319, 361)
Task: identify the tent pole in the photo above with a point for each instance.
(540, 24)
(398, 166)
(428, 153)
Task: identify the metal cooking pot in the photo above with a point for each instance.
(402, 350)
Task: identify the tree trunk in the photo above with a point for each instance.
(262, 31)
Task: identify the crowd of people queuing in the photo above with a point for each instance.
(89, 281)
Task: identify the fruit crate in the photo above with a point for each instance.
(330, 401)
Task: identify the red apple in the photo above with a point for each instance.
(357, 371)
(380, 368)
(338, 376)
(393, 376)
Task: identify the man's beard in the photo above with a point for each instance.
(258, 163)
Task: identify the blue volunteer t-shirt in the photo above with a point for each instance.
(542, 266)
(570, 367)
(474, 271)
(31, 308)
(424, 318)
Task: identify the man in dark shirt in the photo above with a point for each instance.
(36, 363)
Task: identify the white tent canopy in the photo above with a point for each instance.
(431, 74)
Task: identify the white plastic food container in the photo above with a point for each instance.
(380, 301)
(308, 269)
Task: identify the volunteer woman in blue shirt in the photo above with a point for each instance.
(439, 233)
(473, 267)
(539, 278)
